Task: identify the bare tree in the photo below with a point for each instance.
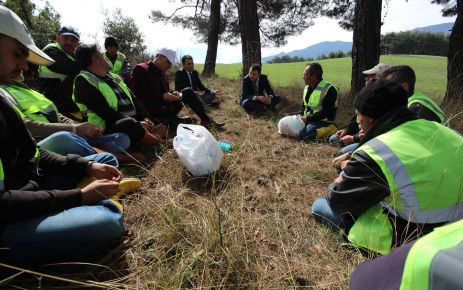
(250, 34)
(366, 40)
(212, 38)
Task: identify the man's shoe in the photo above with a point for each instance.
(214, 104)
(212, 124)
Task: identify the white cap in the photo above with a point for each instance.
(169, 53)
(377, 69)
(11, 25)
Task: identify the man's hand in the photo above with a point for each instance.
(264, 99)
(88, 130)
(172, 97)
(200, 93)
(160, 130)
(217, 92)
(304, 119)
(347, 139)
(341, 133)
(338, 160)
(148, 124)
(103, 171)
(99, 190)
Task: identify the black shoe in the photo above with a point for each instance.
(214, 104)
(212, 125)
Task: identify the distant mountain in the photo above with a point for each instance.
(438, 28)
(315, 50)
(326, 47)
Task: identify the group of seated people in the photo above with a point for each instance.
(59, 196)
(397, 183)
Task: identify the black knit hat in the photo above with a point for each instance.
(380, 97)
(111, 41)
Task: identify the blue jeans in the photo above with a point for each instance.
(50, 182)
(310, 130)
(71, 235)
(324, 214)
(348, 148)
(333, 139)
(68, 143)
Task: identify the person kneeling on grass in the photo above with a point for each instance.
(43, 217)
(401, 182)
(107, 102)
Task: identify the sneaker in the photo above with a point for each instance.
(128, 185)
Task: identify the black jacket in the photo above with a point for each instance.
(247, 88)
(182, 81)
(364, 183)
(22, 198)
(60, 92)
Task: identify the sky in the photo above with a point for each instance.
(88, 16)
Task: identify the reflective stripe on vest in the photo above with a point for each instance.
(435, 261)
(2, 177)
(117, 66)
(33, 105)
(46, 73)
(106, 91)
(315, 102)
(418, 160)
(428, 103)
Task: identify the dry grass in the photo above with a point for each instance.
(246, 227)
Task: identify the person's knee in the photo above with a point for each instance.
(333, 138)
(106, 158)
(188, 94)
(118, 143)
(107, 226)
(319, 207)
(308, 133)
(247, 106)
(276, 100)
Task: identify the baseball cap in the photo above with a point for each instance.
(169, 53)
(12, 26)
(69, 30)
(377, 69)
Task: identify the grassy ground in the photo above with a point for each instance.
(431, 72)
(246, 227)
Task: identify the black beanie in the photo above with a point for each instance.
(111, 41)
(380, 97)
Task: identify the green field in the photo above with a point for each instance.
(431, 72)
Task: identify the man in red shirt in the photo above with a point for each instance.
(150, 84)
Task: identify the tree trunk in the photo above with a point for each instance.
(454, 94)
(212, 38)
(250, 34)
(366, 40)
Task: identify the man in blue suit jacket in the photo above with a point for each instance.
(256, 92)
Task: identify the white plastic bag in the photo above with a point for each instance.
(197, 149)
(290, 126)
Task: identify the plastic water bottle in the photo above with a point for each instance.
(224, 145)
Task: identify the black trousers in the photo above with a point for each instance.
(252, 107)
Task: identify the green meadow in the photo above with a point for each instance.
(431, 72)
